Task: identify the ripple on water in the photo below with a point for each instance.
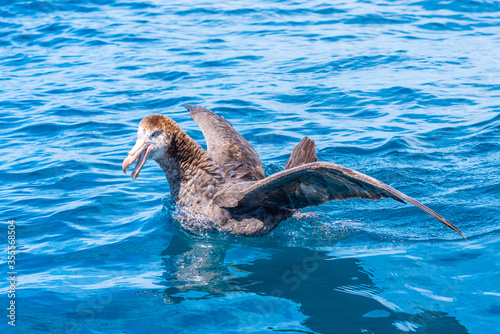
(404, 92)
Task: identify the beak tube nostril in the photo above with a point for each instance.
(134, 153)
(140, 152)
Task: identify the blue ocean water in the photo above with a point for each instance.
(405, 91)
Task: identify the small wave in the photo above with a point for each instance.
(164, 76)
(377, 19)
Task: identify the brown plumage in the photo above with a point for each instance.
(232, 153)
(303, 153)
(224, 187)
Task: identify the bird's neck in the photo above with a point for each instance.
(188, 167)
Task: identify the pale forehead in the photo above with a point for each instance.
(152, 122)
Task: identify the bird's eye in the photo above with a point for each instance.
(156, 133)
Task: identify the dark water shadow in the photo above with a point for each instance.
(336, 295)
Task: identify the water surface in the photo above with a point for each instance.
(404, 91)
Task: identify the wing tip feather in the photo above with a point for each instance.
(432, 213)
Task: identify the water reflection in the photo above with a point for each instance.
(334, 295)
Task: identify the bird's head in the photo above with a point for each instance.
(153, 140)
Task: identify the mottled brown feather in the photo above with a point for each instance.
(188, 167)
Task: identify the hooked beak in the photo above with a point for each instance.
(141, 151)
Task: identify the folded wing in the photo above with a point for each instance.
(235, 156)
(315, 183)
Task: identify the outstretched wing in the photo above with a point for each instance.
(234, 155)
(313, 184)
